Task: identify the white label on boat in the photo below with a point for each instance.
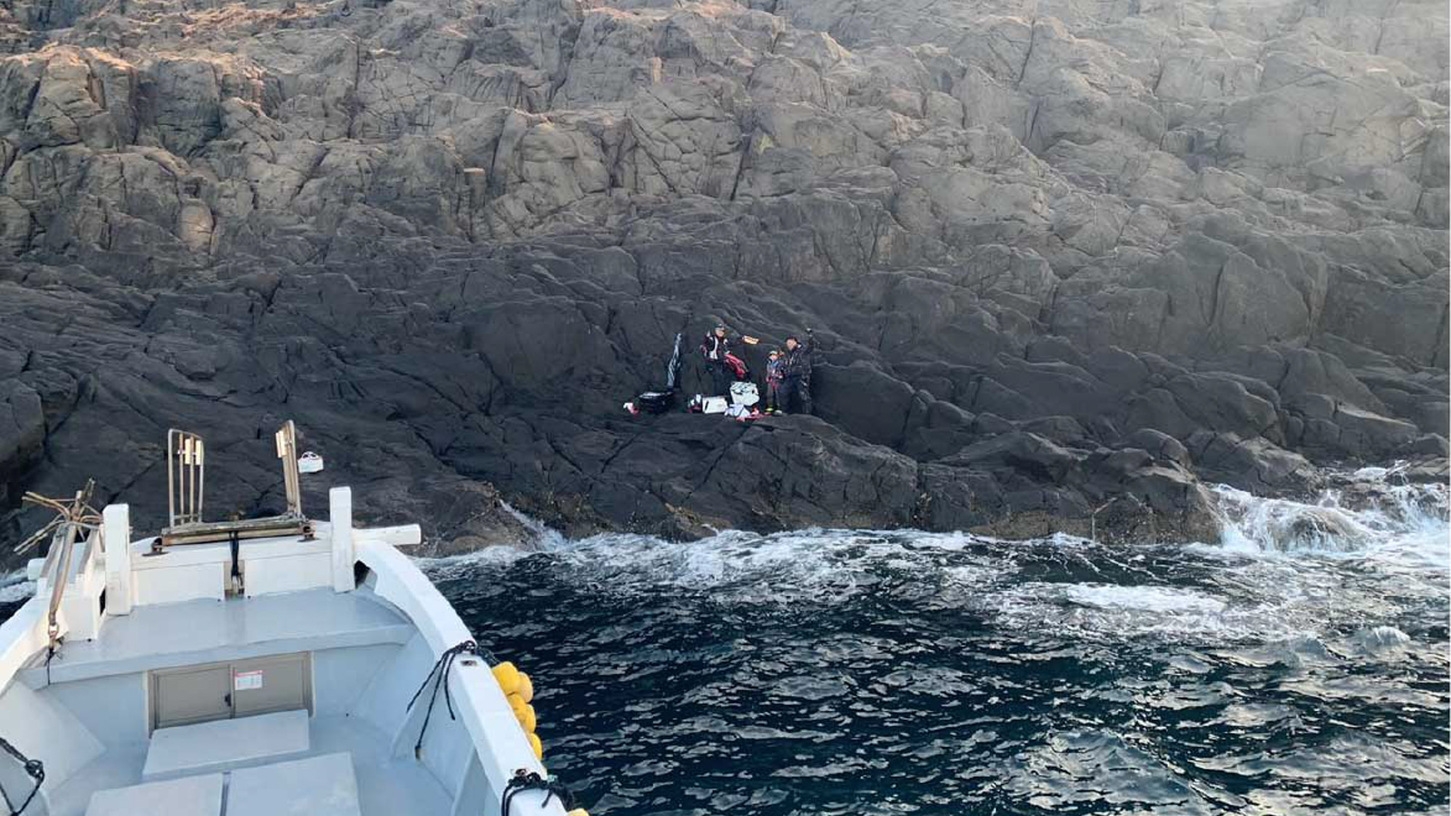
(247, 680)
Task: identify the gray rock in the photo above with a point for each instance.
(22, 433)
(1060, 257)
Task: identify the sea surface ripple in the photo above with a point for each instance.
(1297, 666)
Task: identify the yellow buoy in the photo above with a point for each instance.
(508, 677)
(536, 745)
(526, 688)
(523, 712)
(527, 718)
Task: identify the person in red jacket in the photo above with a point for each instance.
(714, 348)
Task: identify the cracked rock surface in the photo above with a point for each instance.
(1062, 256)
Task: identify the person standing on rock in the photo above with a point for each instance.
(775, 362)
(796, 374)
(714, 348)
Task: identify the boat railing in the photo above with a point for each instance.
(186, 479)
(286, 439)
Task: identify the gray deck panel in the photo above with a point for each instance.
(206, 631)
(225, 744)
(317, 786)
(386, 786)
(118, 767)
(191, 796)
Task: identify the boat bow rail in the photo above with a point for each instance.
(186, 483)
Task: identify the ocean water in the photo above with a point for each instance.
(1298, 666)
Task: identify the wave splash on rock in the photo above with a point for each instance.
(1265, 579)
(1364, 511)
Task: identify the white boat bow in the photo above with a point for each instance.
(267, 667)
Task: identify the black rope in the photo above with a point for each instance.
(438, 675)
(50, 652)
(236, 558)
(529, 780)
(34, 768)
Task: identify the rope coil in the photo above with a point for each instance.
(529, 780)
(438, 676)
(34, 768)
(523, 779)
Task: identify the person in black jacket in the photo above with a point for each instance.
(796, 371)
(714, 348)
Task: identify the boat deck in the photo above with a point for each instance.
(386, 786)
(170, 694)
(86, 677)
(202, 631)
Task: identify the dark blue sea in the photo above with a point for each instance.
(1297, 666)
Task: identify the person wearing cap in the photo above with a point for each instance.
(775, 363)
(717, 344)
(795, 395)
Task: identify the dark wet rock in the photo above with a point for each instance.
(1223, 403)
(1426, 470)
(1063, 270)
(1369, 434)
(1159, 445)
(679, 475)
(22, 434)
(1064, 430)
(1021, 484)
(867, 402)
(1256, 464)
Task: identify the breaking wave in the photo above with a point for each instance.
(1371, 511)
(1265, 578)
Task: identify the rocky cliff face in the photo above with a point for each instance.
(1062, 256)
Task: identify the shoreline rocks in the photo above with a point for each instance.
(1065, 259)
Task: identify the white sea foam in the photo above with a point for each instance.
(1156, 599)
(14, 588)
(1371, 512)
(1276, 575)
(544, 536)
